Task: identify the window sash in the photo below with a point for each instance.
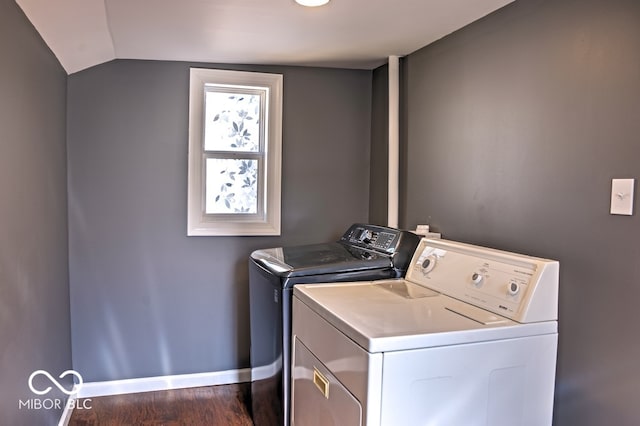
(261, 178)
(261, 92)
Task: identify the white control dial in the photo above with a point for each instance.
(477, 279)
(514, 288)
(428, 264)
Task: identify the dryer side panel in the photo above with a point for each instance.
(318, 398)
(354, 368)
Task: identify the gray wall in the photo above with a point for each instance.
(34, 286)
(515, 127)
(146, 299)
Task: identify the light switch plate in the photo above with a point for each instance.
(622, 196)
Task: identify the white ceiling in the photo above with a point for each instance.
(344, 33)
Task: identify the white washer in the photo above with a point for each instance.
(468, 338)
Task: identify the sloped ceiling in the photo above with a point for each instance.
(344, 33)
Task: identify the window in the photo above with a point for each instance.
(235, 150)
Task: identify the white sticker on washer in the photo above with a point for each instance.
(428, 251)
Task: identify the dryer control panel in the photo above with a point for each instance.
(516, 286)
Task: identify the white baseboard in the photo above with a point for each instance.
(66, 414)
(149, 384)
(266, 371)
(68, 409)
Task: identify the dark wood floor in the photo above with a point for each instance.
(225, 405)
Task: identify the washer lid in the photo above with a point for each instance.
(393, 315)
(317, 259)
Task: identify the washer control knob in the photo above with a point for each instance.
(428, 264)
(366, 236)
(477, 279)
(514, 288)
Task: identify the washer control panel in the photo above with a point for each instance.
(373, 237)
(519, 287)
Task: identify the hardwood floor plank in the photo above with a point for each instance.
(212, 405)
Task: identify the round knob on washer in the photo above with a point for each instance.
(476, 278)
(428, 264)
(514, 288)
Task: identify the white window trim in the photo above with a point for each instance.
(200, 223)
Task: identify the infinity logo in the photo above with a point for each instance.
(55, 382)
